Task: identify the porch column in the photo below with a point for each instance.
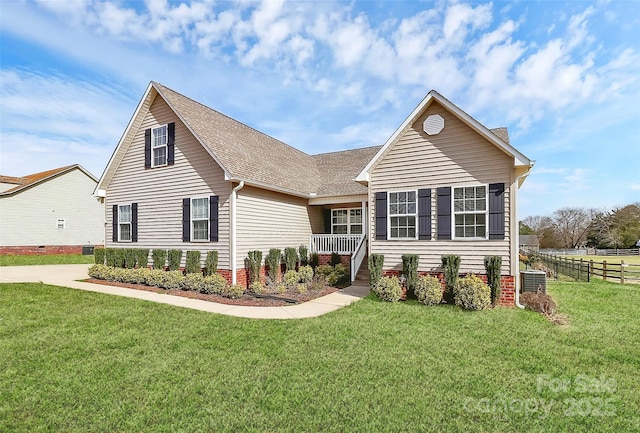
(365, 219)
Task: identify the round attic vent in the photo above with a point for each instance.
(433, 124)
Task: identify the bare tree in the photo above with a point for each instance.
(571, 225)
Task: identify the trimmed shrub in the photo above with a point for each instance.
(306, 274)
(410, 270)
(211, 263)
(172, 280)
(155, 277)
(109, 256)
(492, 265)
(214, 284)
(428, 290)
(174, 257)
(335, 259)
(376, 262)
(471, 293)
(137, 276)
(98, 256)
(291, 279)
(193, 281)
(129, 258)
(256, 287)
(97, 271)
(451, 269)
(142, 257)
(301, 288)
(314, 260)
(234, 292)
(290, 259)
(192, 263)
(272, 261)
(324, 270)
(159, 258)
(388, 289)
(303, 253)
(254, 259)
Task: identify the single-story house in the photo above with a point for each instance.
(185, 176)
(52, 212)
(529, 242)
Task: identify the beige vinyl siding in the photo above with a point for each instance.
(267, 219)
(458, 156)
(159, 191)
(29, 218)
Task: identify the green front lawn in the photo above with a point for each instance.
(51, 259)
(78, 361)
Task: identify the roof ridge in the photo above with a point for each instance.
(347, 150)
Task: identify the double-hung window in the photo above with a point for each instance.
(470, 212)
(159, 146)
(124, 223)
(403, 212)
(200, 219)
(346, 221)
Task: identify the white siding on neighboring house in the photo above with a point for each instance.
(454, 157)
(267, 219)
(159, 191)
(30, 217)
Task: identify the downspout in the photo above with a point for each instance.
(232, 255)
(517, 237)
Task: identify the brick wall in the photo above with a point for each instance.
(325, 259)
(41, 250)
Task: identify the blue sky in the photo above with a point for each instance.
(564, 77)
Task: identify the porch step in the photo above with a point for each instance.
(363, 272)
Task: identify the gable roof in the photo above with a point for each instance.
(339, 170)
(31, 180)
(498, 136)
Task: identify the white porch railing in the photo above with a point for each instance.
(358, 256)
(341, 244)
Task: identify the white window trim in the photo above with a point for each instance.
(348, 224)
(121, 223)
(208, 219)
(486, 213)
(64, 224)
(165, 145)
(401, 215)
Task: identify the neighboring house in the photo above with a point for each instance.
(185, 176)
(53, 212)
(529, 242)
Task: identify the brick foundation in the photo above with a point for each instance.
(42, 250)
(325, 259)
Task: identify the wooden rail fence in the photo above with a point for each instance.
(585, 270)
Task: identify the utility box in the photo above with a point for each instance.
(87, 250)
(532, 281)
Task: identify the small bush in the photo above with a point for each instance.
(324, 270)
(376, 262)
(301, 288)
(493, 264)
(97, 271)
(388, 289)
(410, 270)
(306, 274)
(428, 290)
(318, 282)
(290, 259)
(291, 279)
(314, 260)
(142, 257)
(110, 256)
(174, 257)
(192, 263)
(540, 302)
(98, 256)
(155, 278)
(234, 292)
(335, 259)
(256, 287)
(214, 284)
(159, 258)
(255, 262)
(471, 293)
(138, 275)
(273, 263)
(211, 263)
(193, 281)
(303, 252)
(339, 276)
(451, 270)
(129, 258)
(172, 280)
(280, 288)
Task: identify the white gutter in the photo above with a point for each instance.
(517, 230)
(233, 248)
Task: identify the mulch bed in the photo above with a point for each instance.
(271, 300)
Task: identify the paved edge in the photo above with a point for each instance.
(68, 276)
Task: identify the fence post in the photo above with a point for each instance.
(573, 267)
(590, 270)
(621, 271)
(604, 270)
(579, 269)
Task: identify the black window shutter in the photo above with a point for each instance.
(114, 224)
(213, 218)
(496, 211)
(326, 219)
(171, 143)
(134, 222)
(147, 148)
(444, 212)
(186, 219)
(381, 216)
(424, 214)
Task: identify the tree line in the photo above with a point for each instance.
(573, 227)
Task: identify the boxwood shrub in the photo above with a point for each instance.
(159, 258)
(388, 289)
(192, 264)
(211, 263)
(174, 257)
(471, 293)
(428, 290)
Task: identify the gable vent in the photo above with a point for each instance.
(433, 124)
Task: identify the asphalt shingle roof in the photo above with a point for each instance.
(31, 179)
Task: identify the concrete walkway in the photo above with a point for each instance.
(67, 276)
